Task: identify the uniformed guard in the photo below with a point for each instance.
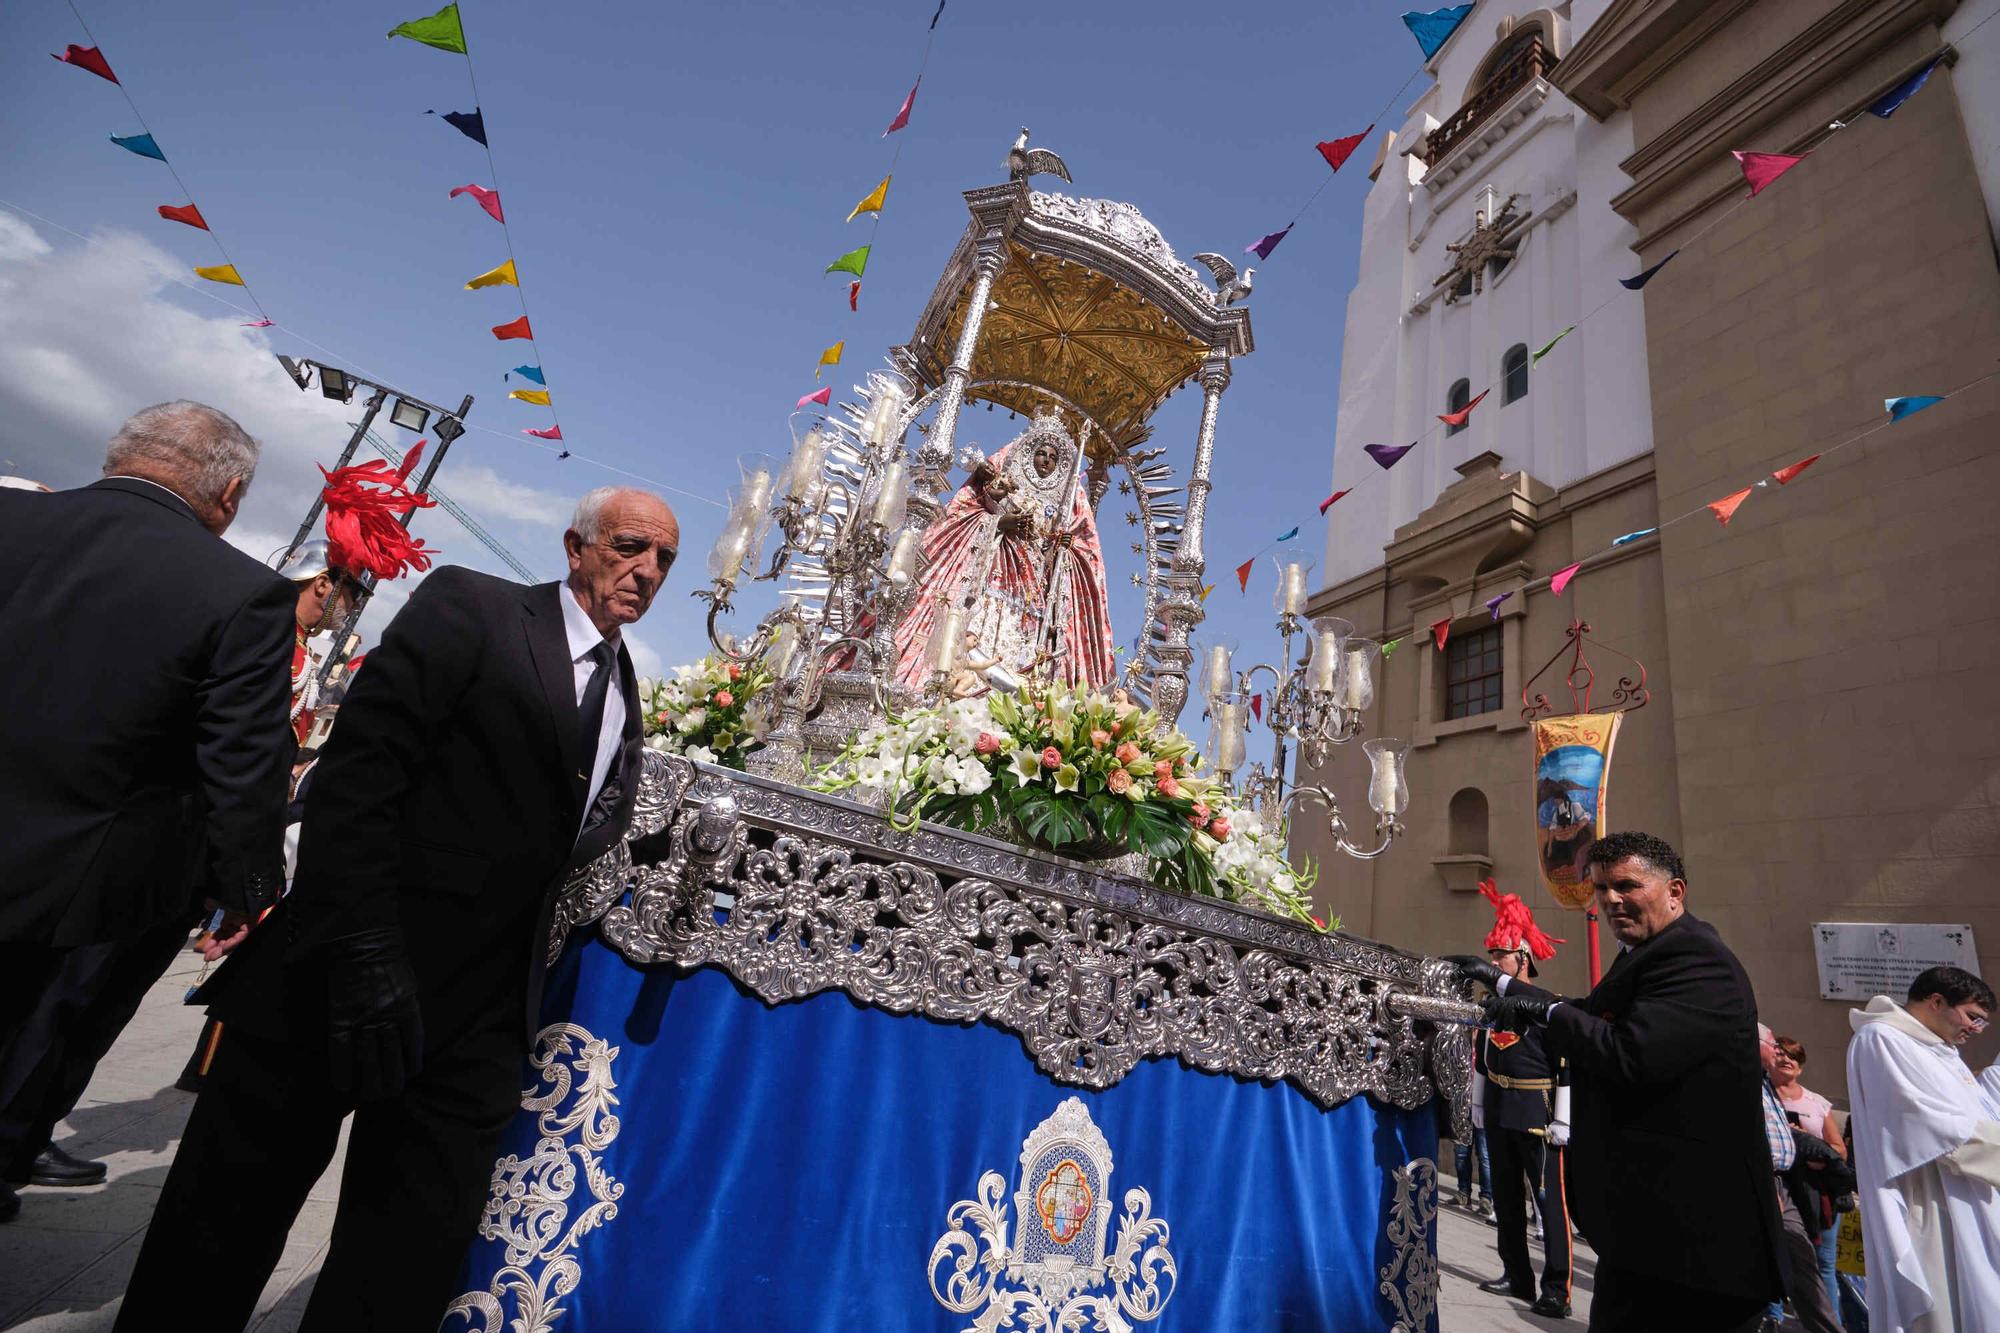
(1521, 1097)
(326, 594)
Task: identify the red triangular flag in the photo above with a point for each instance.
(90, 58)
(1726, 507)
(488, 199)
(1785, 474)
(189, 214)
(513, 329)
(1337, 151)
(1243, 573)
(1257, 706)
(1458, 418)
(1441, 630)
(1561, 578)
(1327, 503)
(552, 433)
(903, 116)
(853, 296)
(1760, 169)
(823, 397)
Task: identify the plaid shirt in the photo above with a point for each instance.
(1778, 1131)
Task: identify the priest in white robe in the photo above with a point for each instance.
(1926, 1145)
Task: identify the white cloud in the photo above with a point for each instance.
(18, 240)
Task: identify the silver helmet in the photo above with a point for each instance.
(309, 561)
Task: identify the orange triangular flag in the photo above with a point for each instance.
(1726, 507)
(1441, 630)
(1785, 474)
(1243, 573)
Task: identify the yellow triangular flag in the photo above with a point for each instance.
(504, 276)
(221, 273)
(1206, 589)
(540, 396)
(873, 203)
(830, 357)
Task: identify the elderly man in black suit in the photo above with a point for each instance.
(1670, 1174)
(143, 751)
(491, 745)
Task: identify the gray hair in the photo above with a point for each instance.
(588, 520)
(190, 447)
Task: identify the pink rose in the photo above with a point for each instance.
(1128, 753)
(1163, 770)
(1318, 922)
(1100, 739)
(987, 743)
(735, 671)
(1051, 757)
(723, 698)
(1119, 782)
(1219, 830)
(660, 718)
(1201, 812)
(1170, 789)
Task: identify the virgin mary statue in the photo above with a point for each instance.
(1016, 551)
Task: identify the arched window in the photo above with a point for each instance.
(1514, 374)
(1467, 816)
(1455, 401)
(1517, 45)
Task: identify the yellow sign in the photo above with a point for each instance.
(1848, 1257)
(1572, 769)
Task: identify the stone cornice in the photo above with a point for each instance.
(1628, 46)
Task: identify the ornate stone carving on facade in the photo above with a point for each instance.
(1489, 241)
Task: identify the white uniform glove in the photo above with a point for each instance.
(1559, 1124)
(1478, 1100)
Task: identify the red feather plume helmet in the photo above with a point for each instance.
(363, 503)
(1514, 925)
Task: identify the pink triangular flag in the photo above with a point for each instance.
(552, 433)
(256, 324)
(1726, 507)
(903, 116)
(1560, 579)
(824, 397)
(1760, 169)
(488, 199)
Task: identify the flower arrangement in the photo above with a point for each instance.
(1080, 773)
(710, 711)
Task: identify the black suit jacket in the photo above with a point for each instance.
(1515, 1056)
(144, 748)
(447, 801)
(1670, 1174)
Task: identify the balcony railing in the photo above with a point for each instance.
(1533, 62)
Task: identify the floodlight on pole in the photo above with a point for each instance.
(336, 384)
(301, 374)
(409, 415)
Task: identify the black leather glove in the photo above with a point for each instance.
(1474, 968)
(375, 1037)
(1515, 1013)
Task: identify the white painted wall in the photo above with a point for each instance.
(1976, 79)
(1587, 405)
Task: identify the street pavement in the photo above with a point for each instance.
(65, 1260)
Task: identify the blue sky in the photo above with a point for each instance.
(676, 178)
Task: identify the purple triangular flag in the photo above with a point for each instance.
(1493, 603)
(1264, 247)
(1387, 454)
(1636, 283)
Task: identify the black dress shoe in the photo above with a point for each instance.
(56, 1167)
(1555, 1307)
(10, 1203)
(1500, 1286)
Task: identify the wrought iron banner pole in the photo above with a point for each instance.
(375, 402)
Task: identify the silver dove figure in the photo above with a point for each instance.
(1023, 161)
(1230, 286)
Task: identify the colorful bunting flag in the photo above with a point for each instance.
(90, 58)
(1434, 29)
(1545, 348)
(1390, 647)
(830, 357)
(1243, 574)
(1257, 706)
(552, 433)
(1898, 408)
(1725, 508)
(1760, 169)
(530, 373)
(903, 115)
(539, 397)
(854, 261)
(935, 17)
(517, 328)
(1493, 604)
(873, 203)
(472, 124)
(1460, 417)
(503, 276)
(256, 324)
(441, 30)
(186, 213)
(1387, 454)
(1337, 151)
(1440, 631)
(854, 295)
(1285, 537)
(823, 397)
(488, 199)
(1560, 579)
(1791, 470)
(142, 144)
(221, 273)
(1633, 536)
(1262, 249)
(1327, 503)
(1885, 105)
(1202, 596)
(1634, 284)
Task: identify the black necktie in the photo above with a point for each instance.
(590, 710)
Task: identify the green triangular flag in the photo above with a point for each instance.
(1391, 647)
(854, 261)
(442, 30)
(1544, 351)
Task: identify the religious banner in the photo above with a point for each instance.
(1572, 769)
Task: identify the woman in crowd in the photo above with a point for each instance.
(1815, 1117)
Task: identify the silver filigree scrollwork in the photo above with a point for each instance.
(590, 890)
(1410, 1279)
(530, 1211)
(1451, 1048)
(1055, 1274)
(1124, 224)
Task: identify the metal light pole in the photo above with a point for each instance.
(375, 402)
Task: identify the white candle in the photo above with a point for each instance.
(1325, 663)
(946, 631)
(903, 557)
(1218, 670)
(1357, 691)
(725, 559)
(808, 459)
(1382, 789)
(1292, 593)
(755, 497)
(1229, 737)
(893, 495)
(784, 644)
(1386, 793)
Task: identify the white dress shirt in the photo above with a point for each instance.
(583, 637)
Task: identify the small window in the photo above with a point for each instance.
(1467, 814)
(1455, 401)
(1514, 374)
(1464, 287)
(1472, 673)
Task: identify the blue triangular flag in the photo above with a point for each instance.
(1635, 284)
(530, 373)
(1434, 29)
(142, 144)
(472, 124)
(1633, 536)
(1885, 105)
(1289, 535)
(1898, 408)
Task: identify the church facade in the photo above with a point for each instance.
(1819, 740)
